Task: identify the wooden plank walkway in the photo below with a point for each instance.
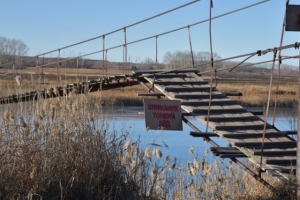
(228, 120)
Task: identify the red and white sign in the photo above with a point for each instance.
(163, 114)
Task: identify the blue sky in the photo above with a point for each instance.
(49, 25)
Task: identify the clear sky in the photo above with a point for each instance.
(49, 25)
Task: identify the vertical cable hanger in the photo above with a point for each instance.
(211, 64)
(191, 48)
(103, 54)
(156, 52)
(267, 108)
(125, 52)
(58, 66)
(279, 63)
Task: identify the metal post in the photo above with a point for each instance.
(103, 56)
(125, 51)
(298, 138)
(58, 66)
(156, 51)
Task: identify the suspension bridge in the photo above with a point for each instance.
(268, 149)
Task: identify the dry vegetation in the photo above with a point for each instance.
(65, 150)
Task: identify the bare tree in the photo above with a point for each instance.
(181, 59)
(11, 50)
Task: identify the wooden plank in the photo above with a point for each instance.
(205, 103)
(200, 96)
(191, 89)
(256, 112)
(231, 118)
(240, 127)
(268, 152)
(279, 160)
(139, 72)
(235, 94)
(222, 110)
(200, 134)
(290, 144)
(151, 94)
(235, 155)
(180, 82)
(251, 135)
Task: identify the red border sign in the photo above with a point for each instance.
(163, 114)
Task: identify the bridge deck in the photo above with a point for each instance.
(229, 120)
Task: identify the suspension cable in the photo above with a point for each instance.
(279, 63)
(194, 24)
(156, 52)
(267, 108)
(211, 65)
(191, 47)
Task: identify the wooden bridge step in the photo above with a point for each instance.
(252, 135)
(267, 145)
(279, 160)
(200, 96)
(200, 134)
(231, 118)
(240, 127)
(179, 75)
(151, 94)
(180, 82)
(205, 103)
(219, 110)
(234, 155)
(267, 152)
(224, 150)
(140, 72)
(234, 94)
(188, 89)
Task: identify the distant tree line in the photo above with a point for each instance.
(12, 50)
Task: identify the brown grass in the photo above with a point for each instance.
(54, 149)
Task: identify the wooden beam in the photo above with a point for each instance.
(289, 144)
(200, 96)
(252, 135)
(256, 112)
(187, 89)
(232, 118)
(205, 103)
(151, 94)
(221, 110)
(180, 82)
(280, 161)
(200, 134)
(233, 94)
(234, 155)
(270, 152)
(240, 127)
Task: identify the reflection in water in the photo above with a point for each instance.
(179, 142)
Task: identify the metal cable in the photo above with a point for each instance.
(117, 30)
(279, 63)
(211, 65)
(191, 47)
(156, 52)
(251, 64)
(143, 39)
(242, 62)
(267, 109)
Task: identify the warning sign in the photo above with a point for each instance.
(163, 114)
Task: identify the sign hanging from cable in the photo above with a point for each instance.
(292, 18)
(163, 114)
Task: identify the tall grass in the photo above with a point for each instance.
(68, 151)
